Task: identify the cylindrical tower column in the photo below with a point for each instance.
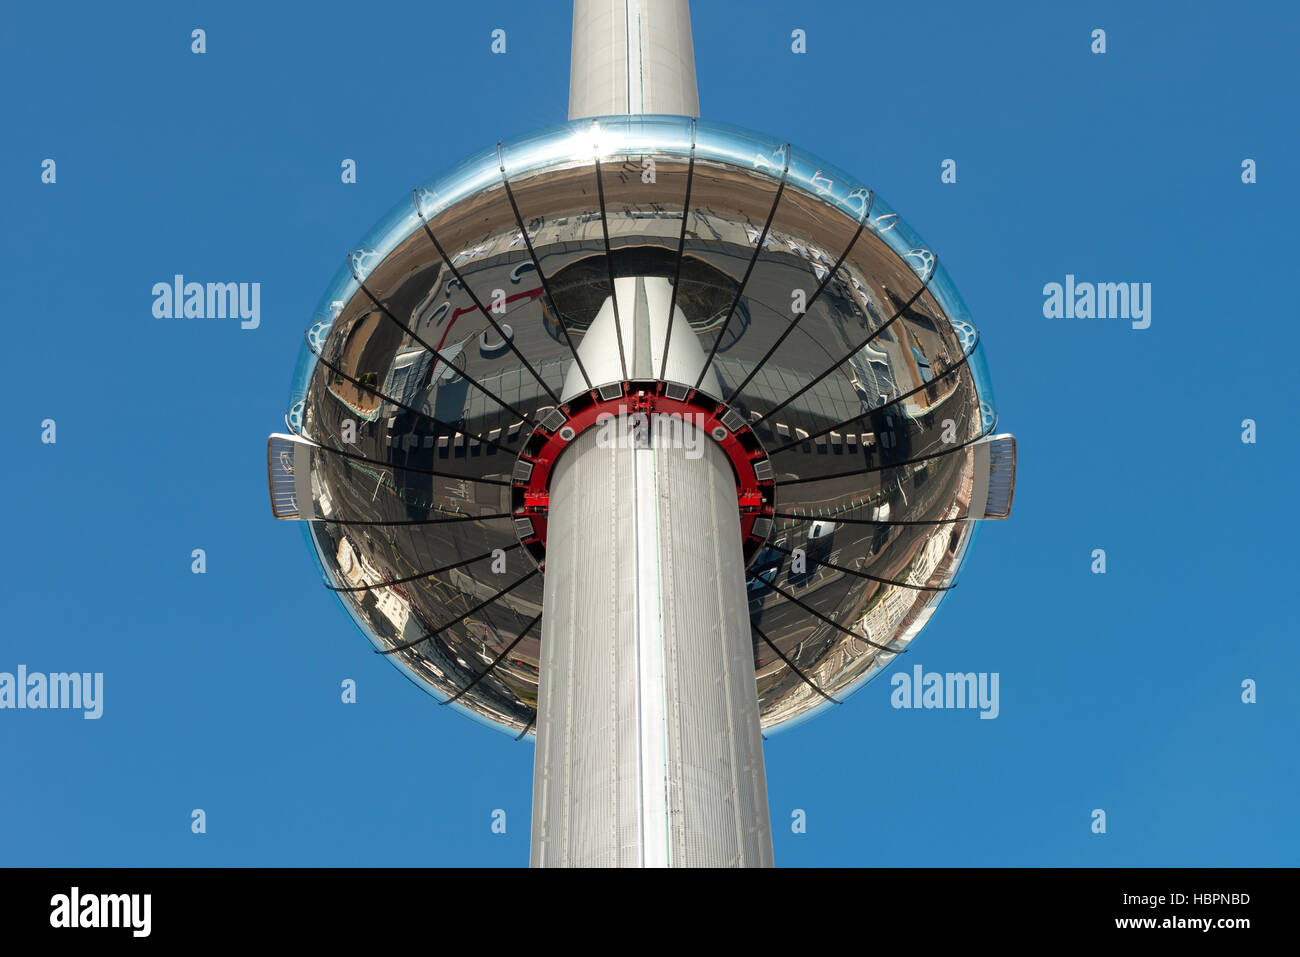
(648, 744)
(632, 56)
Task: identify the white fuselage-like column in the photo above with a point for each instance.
(632, 56)
(648, 745)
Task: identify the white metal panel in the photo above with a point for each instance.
(648, 743)
(643, 320)
(649, 752)
(632, 56)
(994, 477)
(652, 704)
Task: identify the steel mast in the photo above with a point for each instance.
(649, 752)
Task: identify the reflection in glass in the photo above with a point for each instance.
(837, 335)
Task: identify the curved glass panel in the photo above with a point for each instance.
(637, 134)
(942, 288)
(544, 148)
(840, 340)
(829, 183)
(383, 238)
(337, 294)
(479, 172)
(746, 149)
(988, 404)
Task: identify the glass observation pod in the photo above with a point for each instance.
(445, 353)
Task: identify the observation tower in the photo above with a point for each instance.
(645, 435)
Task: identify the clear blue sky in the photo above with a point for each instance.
(1119, 692)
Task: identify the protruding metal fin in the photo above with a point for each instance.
(995, 477)
(288, 473)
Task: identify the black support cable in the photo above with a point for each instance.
(488, 443)
(792, 666)
(816, 614)
(862, 574)
(455, 621)
(681, 251)
(871, 521)
(414, 521)
(499, 658)
(411, 468)
(609, 263)
(537, 265)
(436, 571)
(955, 367)
(508, 340)
(893, 465)
(528, 727)
(439, 356)
(859, 347)
(862, 223)
(740, 290)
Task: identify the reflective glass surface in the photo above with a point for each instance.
(450, 330)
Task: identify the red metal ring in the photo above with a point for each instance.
(559, 427)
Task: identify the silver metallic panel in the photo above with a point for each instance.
(632, 56)
(648, 748)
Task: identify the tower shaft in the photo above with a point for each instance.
(648, 744)
(632, 56)
(649, 752)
